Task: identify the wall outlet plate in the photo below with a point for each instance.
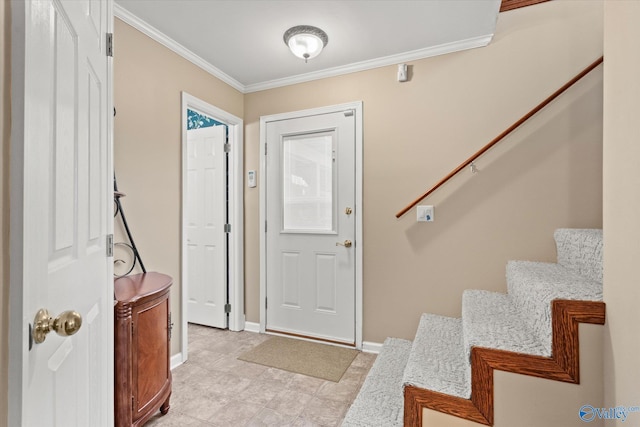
(425, 213)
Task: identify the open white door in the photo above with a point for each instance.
(62, 174)
(235, 214)
(205, 217)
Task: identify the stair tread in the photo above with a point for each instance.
(437, 360)
(380, 401)
(491, 320)
(533, 285)
(553, 279)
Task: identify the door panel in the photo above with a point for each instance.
(326, 286)
(67, 381)
(310, 173)
(291, 279)
(206, 215)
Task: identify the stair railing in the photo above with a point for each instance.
(498, 138)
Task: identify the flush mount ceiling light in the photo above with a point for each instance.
(305, 41)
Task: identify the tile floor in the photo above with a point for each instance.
(213, 388)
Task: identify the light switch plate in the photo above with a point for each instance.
(251, 179)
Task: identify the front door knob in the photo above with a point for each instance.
(67, 323)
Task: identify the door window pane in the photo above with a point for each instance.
(308, 183)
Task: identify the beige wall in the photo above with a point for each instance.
(148, 80)
(622, 205)
(5, 126)
(545, 176)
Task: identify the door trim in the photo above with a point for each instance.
(357, 108)
(235, 126)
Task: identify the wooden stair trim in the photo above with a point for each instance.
(516, 4)
(415, 399)
(563, 365)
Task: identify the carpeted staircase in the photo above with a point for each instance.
(531, 330)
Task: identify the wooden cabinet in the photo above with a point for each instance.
(142, 347)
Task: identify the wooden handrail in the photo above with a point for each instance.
(502, 135)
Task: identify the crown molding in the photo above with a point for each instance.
(155, 34)
(414, 55)
(147, 29)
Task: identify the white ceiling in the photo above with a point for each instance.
(241, 41)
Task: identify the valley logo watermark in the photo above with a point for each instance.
(588, 413)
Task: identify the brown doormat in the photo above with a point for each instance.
(303, 357)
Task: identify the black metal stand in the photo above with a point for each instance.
(136, 255)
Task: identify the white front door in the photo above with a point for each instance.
(65, 176)
(310, 229)
(205, 217)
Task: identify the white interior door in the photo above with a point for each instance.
(310, 230)
(66, 212)
(205, 213)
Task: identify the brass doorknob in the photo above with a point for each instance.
(346, 244)
(67, 323)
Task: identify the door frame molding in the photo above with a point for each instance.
(235, 127)
(357, 108)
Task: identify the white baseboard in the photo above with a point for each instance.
(371, 347)
(367, 347)
(176, 360)
(252, 327)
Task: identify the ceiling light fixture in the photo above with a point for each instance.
(305, 41)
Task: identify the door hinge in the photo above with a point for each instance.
(109, 245)
(266, 304)
(110, 44)
(169, 327)
(227, 148)
(227, 228)
(265, 226)
(265, 148)
(348, 113)
(227, 308)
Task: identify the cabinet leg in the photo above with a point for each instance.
(165, 406)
